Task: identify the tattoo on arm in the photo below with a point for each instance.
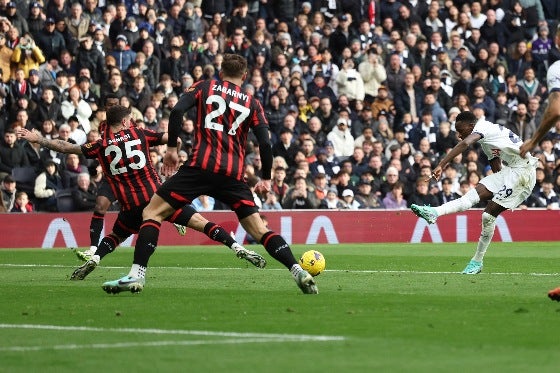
(60, 146)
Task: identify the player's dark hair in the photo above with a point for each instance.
(115, 114)
(234, 65)
(109, 97)
(466, 117)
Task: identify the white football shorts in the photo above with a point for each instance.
(511, 186)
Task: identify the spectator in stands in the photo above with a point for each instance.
(12, 154)
(480, 97)
(446, 139)
(331, 201)
(77, 21)
(521, 123)
(446, 194)
(366, 197)
(547, 196)
(348, 200)
(535, 110)
(395, 73)
(27, 56)
(74, 105)
(349, 82)
(72, 169)
(84, 193)
(92, 59)
(122, 53)
(395, 199)
(530, 84)
(519, 59)
(46, 186)
(421, 196)
(373, 74)
(35, 19)
(319, 88)
(118, 23)
(322, 165)
(320, 186)
(327, 115)
(93, 12)
(382, 102)
(76, 130)
(271, 202)
(48, 129)
(114, 87)
(342, 139)
(22, 203)
(286, 147)
(5, 59)
(8, 191)
(299, 197)
(341, 37)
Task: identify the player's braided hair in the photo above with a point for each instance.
(115, 114)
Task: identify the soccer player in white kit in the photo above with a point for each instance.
(511, 182)
(550, 117)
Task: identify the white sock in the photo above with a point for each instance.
(96, 258)
(464, 203)
(488, 225)
(137, 271)
(295, 270)
(91, 250)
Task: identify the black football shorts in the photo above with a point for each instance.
(105, 190)
(189, 183)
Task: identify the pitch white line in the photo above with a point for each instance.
(145, 344)
(207, 333)
(279, 269)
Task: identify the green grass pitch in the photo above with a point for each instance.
(381, 308)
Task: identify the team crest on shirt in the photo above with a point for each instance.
(88, 145)
(496, 153)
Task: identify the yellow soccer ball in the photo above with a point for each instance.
(313, 262)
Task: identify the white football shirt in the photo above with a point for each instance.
(498, 141)
(553, 77)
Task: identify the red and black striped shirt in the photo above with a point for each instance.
(224, 116)
(124, 157)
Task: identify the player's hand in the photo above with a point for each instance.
(170, 162)
(436, 174)
(526, 147)
(31, 136)
(262, 187)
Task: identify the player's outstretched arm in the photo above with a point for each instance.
(56, 145)
(550, 117)
(458, 149)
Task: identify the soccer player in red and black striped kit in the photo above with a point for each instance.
(225, 116)
(123, 155)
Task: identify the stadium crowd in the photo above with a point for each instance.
(360, 96)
